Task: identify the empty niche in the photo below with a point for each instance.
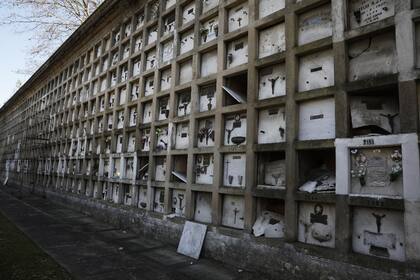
(233, 211)
(207, 97)
(145, 140)
(179, 169)
(377, 171)
(209, 63)
(316, 71)
(315, 24)
(238, 17)
(188, 12)
(128, 194)
(317, 171)
(160, 169)
(207, 5)
(234, 170)
(205, 137)
(167, 51)
(379, 232)
(272, 40)
(185, 72)
(372, 57)
(202, 211)
(272, 81)
(186, 41)
(272, 125)
(375, 113)
(317, 119)
(143, 168)
(159, 200)
(182, 135)
(184, 103)
(363, 13)
(163, 109)
(178, 202)
(168, 24)
(162, 138)
(267, 7)
(142, 197)
(153, 10)
(204, 168)
(235, 130)
(235, 89)
(147, 112)
(165, 79)
(149, 85)
(271, 170)
(270, 218)
(129, 168)
(209, 30)
(317, 224)
(237, 52)
(151, 59)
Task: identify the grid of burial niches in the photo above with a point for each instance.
(180, 84)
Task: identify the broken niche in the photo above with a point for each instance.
(271, 170)
(179, 169)
(270, 218)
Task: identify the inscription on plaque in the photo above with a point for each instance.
(364, 12)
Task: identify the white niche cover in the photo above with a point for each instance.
(317, 119)
(316, 71)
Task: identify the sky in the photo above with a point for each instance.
(12, 58)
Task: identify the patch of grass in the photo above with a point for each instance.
(21, 259)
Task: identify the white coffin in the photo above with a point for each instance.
(208, 63)
(317, 119)
(272, 81)
(149, 86)
(185, 72)
(188, 12)
(209, 30)
(237, 52)
(160, 169)
(178, 202)
(207, 98)
(204, 167)
(207, 5)
(272, 40)
(202, 212)
(267, 7)
(316, 71)
(182, 136)
(205, 133)
(317, 224)
(388, 243)
(168, 51)
(272, 125)
(233, 211)
(159, 200)
(372, 57)
(364, 12)
(238, 17)
(315, 24)
(237, 126)
(187, 42)
(142, 201)
(234, 170)
(147, 112)
(151, 59)
(165, 80)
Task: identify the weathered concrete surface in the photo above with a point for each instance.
(90, 249)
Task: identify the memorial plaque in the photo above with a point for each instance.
(272, 125)
(142, 200)
(237, 52)
(233, 211)
(208, 63)
(202, 211)
(234, 170)
(159, 200)
(267, 7)
(238, 17)
(272, 81)
(185, 72)
(316, 71)
(188, 12)
(272, 40)
(178, 202)
(364, 12)
(204, 166)
(315, 24)
(317, 119)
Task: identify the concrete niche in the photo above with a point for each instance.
(128, 195)
(272, 40)
(204, 167)
(152, 34)
(272, 82)
(179, 169)
(209, 30)
(131, 142)
(120, 119)
(188, 12)
(237, 52)
(270, 218)
(234, 170)
(238, 17)
(178, 202)
(372, 57)
(147, 112)
(316, 71)
(151, 59)
(133, 116)
(207, 98)
(209, 63)
(145, 140)
(233, 211)
(272, 125)
(163, 109)
(184, 103)
(115, 192)
(142, 200)
(364, 12)
(267, 7)
(168, 24)
(162, 138)
(185, 72)
(182, 136)
(165, 79)
(317, 224)
(205, 137)
(379, 232)
(129, 168)
(167, 51)
(149, 85)
(271, 170)
(160, 169)
(169, 3)
(317, 119)
(143, 168)
(207, 5)
(159, 200)
(315, 24)
(119, 146)
(187, 42)
(235, 130)
(202, 211)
